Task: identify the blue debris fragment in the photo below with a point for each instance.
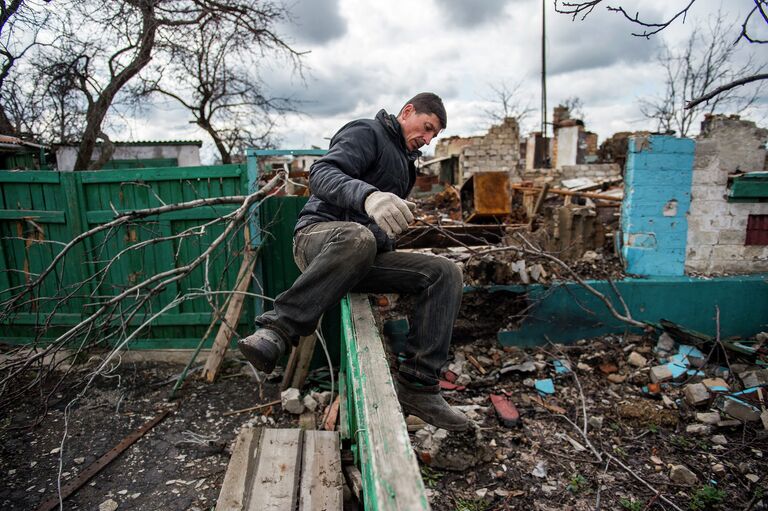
(545, 387)
(561, 366)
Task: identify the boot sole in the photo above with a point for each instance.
(429, 419)
(256, 358)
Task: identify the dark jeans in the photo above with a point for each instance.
(339, 257)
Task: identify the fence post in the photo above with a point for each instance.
(254, 227)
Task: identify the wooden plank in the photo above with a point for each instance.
(343, 407)
(40, 216)
(321, 480)
(235, 488)
(299, 362)
(36, 176)
(355, 480)
(276, 481)
(391, 475)
(232, 317)
(199, 213)
(161, 174)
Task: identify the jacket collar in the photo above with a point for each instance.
(395, 132)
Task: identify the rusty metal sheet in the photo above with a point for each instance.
(757, 230)
(486, 194)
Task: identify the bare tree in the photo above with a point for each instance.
(214, 76)
(755, 20)
(20, 24)
(575, 107)
(104, 45)
(706, 61)
(508, 101)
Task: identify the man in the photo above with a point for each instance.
(343, 242)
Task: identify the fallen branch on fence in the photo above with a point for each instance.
(113, 316)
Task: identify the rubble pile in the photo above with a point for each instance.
(694, 430)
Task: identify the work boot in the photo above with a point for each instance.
(426, 403)
(263, 349)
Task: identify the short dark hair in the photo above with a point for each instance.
(428, 103)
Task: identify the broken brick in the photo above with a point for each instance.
(505, 410)
(660, 374)
(446, 385)
(609, 368)
(716, 385)
(696, 394)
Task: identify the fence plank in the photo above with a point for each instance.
(161, 174)
(37, 176)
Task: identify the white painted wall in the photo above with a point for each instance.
(187, 155)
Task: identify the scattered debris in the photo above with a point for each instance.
(680, 474)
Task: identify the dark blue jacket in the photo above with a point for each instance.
(364, 156)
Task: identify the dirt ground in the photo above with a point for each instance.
(177, 465)
(543, 464)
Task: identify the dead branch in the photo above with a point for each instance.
(726, 87)
(528, 248)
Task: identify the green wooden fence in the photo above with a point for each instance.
(40, 211)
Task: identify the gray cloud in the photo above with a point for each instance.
(315, 21)
(471, 14)
(603, 39)
(338, 90)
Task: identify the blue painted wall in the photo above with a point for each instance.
(657, 196)
(565, 313)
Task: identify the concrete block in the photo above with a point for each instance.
(744, 405)
(716, 385)
(727, 252)
(660, 374)
(291, 401)
(710, 418)
(696, 394)
(755, 378)
(701, 239)
(698, 429)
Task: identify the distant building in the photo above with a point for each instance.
(19, 154)
(143, 154)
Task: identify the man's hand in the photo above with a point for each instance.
(389, 211)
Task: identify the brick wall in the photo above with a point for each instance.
(717, 228)
(593, 171)
(657, 186)
(498, 150)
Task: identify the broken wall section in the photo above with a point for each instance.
(657, 194)
(497, 150)
(718, 228)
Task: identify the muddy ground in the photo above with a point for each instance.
(180, 463)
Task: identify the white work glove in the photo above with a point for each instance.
(389, 211)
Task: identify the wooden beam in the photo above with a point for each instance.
(276, 480)
(390, 471)
(322, 483)
(232, 317)
(237, 480)
(558, 191)
(299, 361)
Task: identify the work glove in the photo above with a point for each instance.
(389, 211)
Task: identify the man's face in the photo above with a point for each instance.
(418, 129)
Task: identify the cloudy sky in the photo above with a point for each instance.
(364, 55)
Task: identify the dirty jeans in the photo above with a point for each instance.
(339, 257)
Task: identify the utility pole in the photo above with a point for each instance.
(543, 69)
